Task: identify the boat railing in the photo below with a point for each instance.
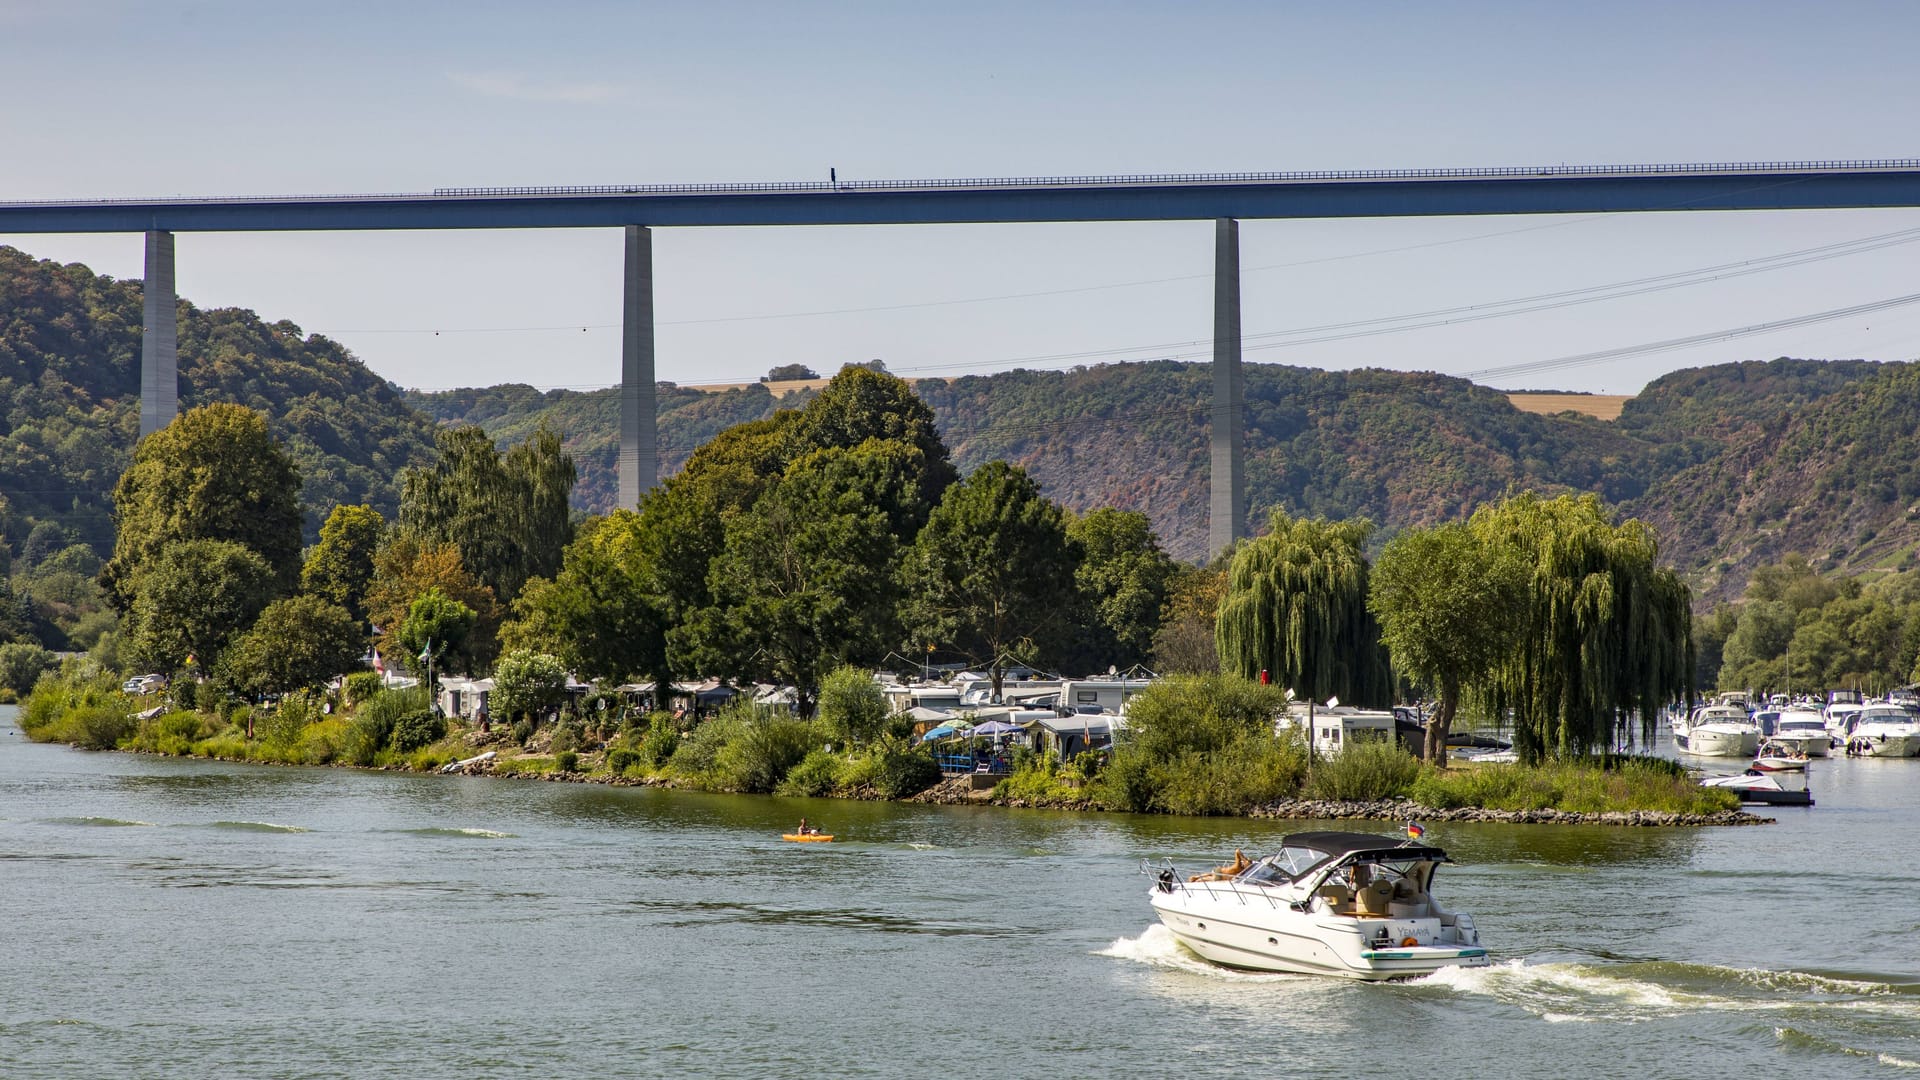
(1170, 879)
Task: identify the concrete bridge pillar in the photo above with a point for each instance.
(1227, 508)
(639, 462)
(159, 338)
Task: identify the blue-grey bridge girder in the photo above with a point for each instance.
(1195, 197)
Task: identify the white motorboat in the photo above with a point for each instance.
(1717, 731)
(1884, 731)
(1841, 717)
(1775, 782)
(1801, 731)
(1327, 903)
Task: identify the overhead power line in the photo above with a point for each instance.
(1649, 348)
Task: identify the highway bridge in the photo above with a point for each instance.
(1224, 199)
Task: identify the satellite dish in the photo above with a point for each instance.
(1333, 703)
(1113, 669)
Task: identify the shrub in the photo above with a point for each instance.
(1040, 779)
(101, 727)
(817, 774)
(522, 731)
(21, 665)
(893, 768)
(416, 730)
(566, 761)
(1364, 771)
(374, 722)
(699, 749)
(661, 740)
(283, 726)
(362, 685)
(184, 693)
(622, 759)
(1245, 774)
(567, 735)
(762, 748)
(1579, 787)
(79, 704)
(171, 733)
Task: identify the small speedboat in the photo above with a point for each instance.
(1327, 903)
(1772, 780)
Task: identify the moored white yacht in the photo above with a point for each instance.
(1327, 903)
(1717, 731)
(1885, 731)
(1801, 731)
(1841, 717)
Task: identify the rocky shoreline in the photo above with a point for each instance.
(959, 791)
(1407, 810)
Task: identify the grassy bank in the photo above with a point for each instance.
(1197, 747)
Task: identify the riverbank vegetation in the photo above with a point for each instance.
(1203, 745)
(806, 550)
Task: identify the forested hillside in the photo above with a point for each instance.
(1738, 464)
(70, 382)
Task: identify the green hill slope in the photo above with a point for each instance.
(70, 384)
(1737, 464)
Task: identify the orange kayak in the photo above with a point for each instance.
(807, 838)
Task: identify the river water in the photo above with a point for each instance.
(196, 919)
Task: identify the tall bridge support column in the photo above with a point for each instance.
(1228, 505)
(639, 463)
(159, 337)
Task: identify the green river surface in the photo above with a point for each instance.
(184, 918)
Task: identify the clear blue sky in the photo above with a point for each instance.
(126, 98)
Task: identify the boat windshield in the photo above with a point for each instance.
(1808, 723)
(1284, 866)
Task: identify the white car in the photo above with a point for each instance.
(144, 684)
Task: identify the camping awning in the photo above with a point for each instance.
(1081, 724)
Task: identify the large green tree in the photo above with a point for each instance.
(1296, 608)
(1123, 579)
(297, 642)
(527, 684)
(405, 570)
(505, 513)
(339, 569)
(212, 474)
(852, 708)
(802, 585)
(195, 597)
(1606, 635)
(438, 627)
(1448, 604)
(601, 613)
(991, 574)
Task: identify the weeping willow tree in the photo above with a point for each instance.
(1606, 635)
(1296, 607)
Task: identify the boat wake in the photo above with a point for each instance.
(257, 826)
(480, 834)
(104, 822)
(1659, 990)
(1157, 947)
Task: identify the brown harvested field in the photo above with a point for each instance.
(1604, 406)
(777, 389)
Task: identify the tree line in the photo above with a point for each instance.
(1542, 613)
(838, 533)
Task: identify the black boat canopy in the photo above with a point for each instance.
(1337, 844)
